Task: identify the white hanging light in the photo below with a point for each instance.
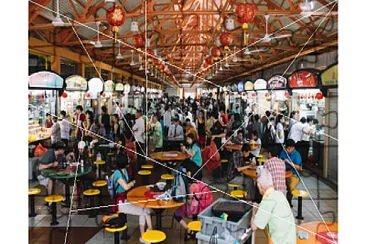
(58, 21)
(110, 1)
(217, 41)
(119, 55)
(148, 42)
(134, 26)
(98, 44)
(132, 62)
(230, 23)
(235, 59)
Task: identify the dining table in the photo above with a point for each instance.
(169, 158)
(233, 147)
(65, 175)
(137, 196)
(318, 232)
(252, 172)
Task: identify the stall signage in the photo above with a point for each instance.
(95, 85)
(330, 76)
(234, 87)
(119, 87)
(76, 83)
(109, 86)
(241, 86)
(303, 79)
(277, 82)
(248, 86)
(260, 84)
(45, 79)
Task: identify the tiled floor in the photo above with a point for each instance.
(88, 230)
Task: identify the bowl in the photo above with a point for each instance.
(161, 185)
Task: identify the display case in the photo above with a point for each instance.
(37, 132)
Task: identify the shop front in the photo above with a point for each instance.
(95, 87)
(74, 94)
(279, 95)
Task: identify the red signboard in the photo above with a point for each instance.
(303, 79)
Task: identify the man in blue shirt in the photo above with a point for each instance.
(293, 162)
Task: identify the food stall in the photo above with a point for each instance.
(250, 96)
(263, 98)
(277, 87)
(95, 86)
(108, 94)
(233, 96)
(306, 95)
(74, 94)
(44, 87)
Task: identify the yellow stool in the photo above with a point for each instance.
(147, 166)
(238, 193)
(116, 232)
(153, 236)
(224, 167)
(97, 184)
(224, 161)
(194, 226)
(235, 186)
(145, 174)
(54, 199)
(299, 194)
(110, 154)
(98, 163)
(91, 193)
(31, 193)
(167, 177)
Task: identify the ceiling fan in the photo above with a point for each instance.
(97, 44)
(119, 55)
(248, 51)
(269, 37)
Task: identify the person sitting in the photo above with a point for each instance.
(293, 162)
(190, 129)
(255, 143)
(239, 139)
(122, 184)
(277, 169)
(243, 160)
(176, 130)
(194, 162)
(273, 212)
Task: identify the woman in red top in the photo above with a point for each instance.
(48, 122)
(224, 118)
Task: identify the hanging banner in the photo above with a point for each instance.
(248, 86)
(45, 79)
(109, 86)
(330, 76)
(241, 86)
(119, 87)
(303, 79)
(76, 83)
(260, 84)
(277, 82)
(95, 85)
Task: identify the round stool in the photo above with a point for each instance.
(153, 236)
(168, 178)
(194, 226)
(147, 166)
(98, 163)
(53, 199)
(31, 193)
(223, 166)
(99, 184)
(235, 186)
(91, 193)
(299, 194)
(238, 193)
(116, 232)
(145, 174)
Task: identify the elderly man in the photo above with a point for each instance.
(277, 169)
(273, 212)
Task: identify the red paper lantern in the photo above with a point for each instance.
(64, 95)
(88, 95)
(116, 17)
(254, 94)
(245, 12)
(226, 39)
(138, 41)
(205, 65)
(209, 60)
(319, 96)
(216, 52)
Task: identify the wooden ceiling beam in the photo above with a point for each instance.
(36, 12)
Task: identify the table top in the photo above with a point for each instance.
(318, 227)
(253, 173)
(53, 174)
(169, 156)
(234, 147)
(138, 194)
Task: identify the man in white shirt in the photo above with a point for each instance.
(65, 127)
(296, 131)
(167, 119)
(305, 140)
(176, 130)
(139, 134)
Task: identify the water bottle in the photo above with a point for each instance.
(82, 166)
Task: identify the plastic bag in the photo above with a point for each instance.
(39, 151)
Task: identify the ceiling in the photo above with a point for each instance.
(184, 31)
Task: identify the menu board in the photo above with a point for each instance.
(109, 86)
(248, 86)
(119, 87)
(45, 79)
(330, 76)
(303, 79)
(260, 84)
(241, 86)
(76, 83)
(95, 85)
(277, 82)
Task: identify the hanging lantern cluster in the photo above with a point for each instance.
(116, 17)
(216, 53)
(245, 13)
(226, 39)
(139, 41)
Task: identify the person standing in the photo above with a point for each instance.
(305, 139)
(277, 169)
(167, 120)
(157, 134)
(217, 131)
(116, 128)
(280, 133)
(55, 131)
(88, 125)
(139, 134)
(48, 122)
(200, 125)
(79, 121)
(296, 132)
(176, 130)
(257, 126)
(64, 127)
(106, 121)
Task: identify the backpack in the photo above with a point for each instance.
(204, 197)
(114, 220)
(211, 157)
(180, 187)
(268, 138)
(111, 187)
